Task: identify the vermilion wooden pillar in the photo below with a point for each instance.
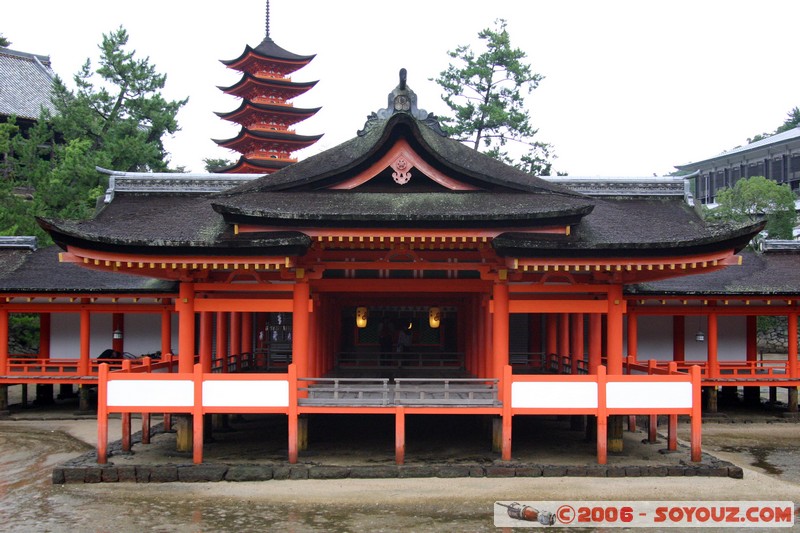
(118, 324)
(792, 354)
(752, 337)
(713, 343)
(45, 322)
(300, 329)
(185, 306)
(84, 363)
(679, 338)
(313, 357)
(563, 340)
(499, 331)
(166, 332)
(633, 335)
(792, 344)
(487, 368)
(614, 330)
(576, 342)
(206, 325)
(616, 310)
(236, 333)
(4, 342)
(222, 340)
(247, 332)
(595, 342)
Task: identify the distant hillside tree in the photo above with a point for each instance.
(214, 164)
(486, 94)
(756, 197)
(4, 43)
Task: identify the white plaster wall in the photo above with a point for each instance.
(142, 334)
(655, 338)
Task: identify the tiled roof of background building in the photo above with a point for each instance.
(26, 81)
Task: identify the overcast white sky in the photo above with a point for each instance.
(631, 88)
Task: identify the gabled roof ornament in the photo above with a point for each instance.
(403, 100)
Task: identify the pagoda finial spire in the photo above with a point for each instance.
(267, 19)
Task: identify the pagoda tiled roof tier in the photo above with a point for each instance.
(252, 166)
(249, 141)
(249, 113)
(268, 56)
(251, 87)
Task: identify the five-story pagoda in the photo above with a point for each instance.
(266, 115)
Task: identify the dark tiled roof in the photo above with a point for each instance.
(39, 271)
(348, 158)
(759, 274)
(164, 223)
(269, 50)
(632, 226)
(26, 81)
(415, 209)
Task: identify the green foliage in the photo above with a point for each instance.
(23, 330)
(114, 118)
(213, 164)
(755, 197)
(485, 93)
(5, 43)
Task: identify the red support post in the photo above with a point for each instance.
(145, 428)
(713, 346)
(752, 337)
(486, 367)
(102, 414)
(186, 328)
(633, 336)
(166, 332)
(602, 417)
(563, 341)
(595, 342)
(400, 435)
(508, 378)
(236, 333)
(126, 432)
(697, 417)
(4, 341)
(292, 413)
(85, 364)
(672, 433)
(222, 340)
(499, 332)
(300, 329)
(197, 415)
(44, 335)
(792, 345)
(679, 338)
(652, 430)
(616, 306)
(577, 341)
(206, 325)
(247, 332)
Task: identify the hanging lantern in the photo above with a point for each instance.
(362, 313)
(117, 334)
(699, 336)
(434, 317)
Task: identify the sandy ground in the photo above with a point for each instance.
(733, 442)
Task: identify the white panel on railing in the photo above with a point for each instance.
(554, 394)
(150, 393)
(246, 393)
(648, 395)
